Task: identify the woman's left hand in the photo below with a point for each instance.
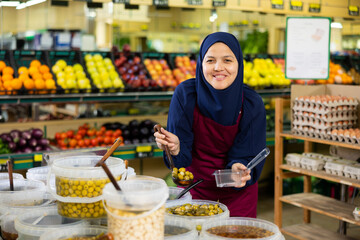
(238, 167)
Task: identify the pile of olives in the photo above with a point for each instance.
(83, 188)
(195, 209)
(182, 174)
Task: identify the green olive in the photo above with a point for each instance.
(182, 174)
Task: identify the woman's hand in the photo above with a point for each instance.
(164, 138)
(238, 167)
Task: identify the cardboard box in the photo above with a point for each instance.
(326, 89)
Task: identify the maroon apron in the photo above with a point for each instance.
(212, 141)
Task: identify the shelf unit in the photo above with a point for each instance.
(307, 200)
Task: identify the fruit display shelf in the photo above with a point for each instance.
(113, 97)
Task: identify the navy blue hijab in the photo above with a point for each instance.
(222, 106)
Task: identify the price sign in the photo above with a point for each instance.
(121, 1)
(277, 4)
(314, 7)
(161, 3)
(38, 157)
(144, 151)
(353, 10)
(195, 2)
(296, 5)
(219, 3)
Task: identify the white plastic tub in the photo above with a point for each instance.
(198, 221)
(179, 229)
(38, 173)
(73, 231)
(237, 225)
(32, 225)
(5, 175)
(79, 185)
(173, 192)
(28, 190)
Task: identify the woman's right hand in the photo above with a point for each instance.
(164, 138)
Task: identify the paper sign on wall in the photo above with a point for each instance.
(307, 51)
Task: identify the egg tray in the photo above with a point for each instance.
(335, 168)
(322, 125)
(336, 116)
(313, 164)
(352, 171)
(346, 139)
(325, 102)
(293, 159)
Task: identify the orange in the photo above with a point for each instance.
(37, 76)
(7, 77)
(47, 75)
(35, 63)
(22, 70)
(39, 84)
(33, 70)
(23, 77)
(2, 65)
(44, 69)
(7, 85)
(16, 84)
(29, 83)
(8, 70)
(50, 84)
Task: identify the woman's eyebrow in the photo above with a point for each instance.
(226, 56)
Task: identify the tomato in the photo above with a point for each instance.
(103, 129)
(70, 133)
(81, 143)
(109, 133)
(100, 139)
(63, 143)
(78, 137)
(87, 142)
(57, 136)
(91, 132)
(63, 135)
(94, 142)
(107, 140)
(117, 133)
(72, 143)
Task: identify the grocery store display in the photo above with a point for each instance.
(7, 79)
(102, 72)
(27, 141)
(93, 232)
(326, 117)
(184, 68)
(79, 185)
(144, 217)
(160, 71)
(71, 77)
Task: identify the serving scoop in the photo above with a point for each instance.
(177, 181)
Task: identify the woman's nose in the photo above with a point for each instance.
(219, 66)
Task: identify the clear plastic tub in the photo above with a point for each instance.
(137, 211)
(5, 175)
(173, 192)
(79, 185)
(240, 227)
(32, 225)
(179, 229)
(293, 159)
(198, 221)
(227, 178)
(74, 231)
(38, 173)
(24, 189)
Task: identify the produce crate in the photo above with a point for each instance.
(104, 55)
(123, 62)
(24, 58)
(7, 57)
(71, 58)
(172, 56)
(343, 60)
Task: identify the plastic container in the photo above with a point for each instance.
(240, 226)
(198, 221)
(173, 192)
(179, 229)
(73, 231)
(293, 159)
(32, 225)
(79, 185)
(137, 211)
(5, 175)
(40, 173)
(25, 190)
(227, 178)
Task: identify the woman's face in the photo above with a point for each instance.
(220, 66)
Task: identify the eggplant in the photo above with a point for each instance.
(134, 124)
(144, 140)
(26, 135)
(38, 148)
(5, 137)
(37, 133)
(147, 123)
(12, 146)
(22, 142)
(144, 132)
(27, 150)
(107, 126)
(135, 133)
(126, 134)
(47, 148)
(43, 142)
(15, 135)
(151, 139)
(32, 142)
(135, 141)
(127, 142)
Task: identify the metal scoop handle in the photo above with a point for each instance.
(256, 160)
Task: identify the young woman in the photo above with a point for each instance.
(217, 122)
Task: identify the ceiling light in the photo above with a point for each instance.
(336, 25)
(29, 3)
(9, 3)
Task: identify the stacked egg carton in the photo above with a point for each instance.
(318, 116)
